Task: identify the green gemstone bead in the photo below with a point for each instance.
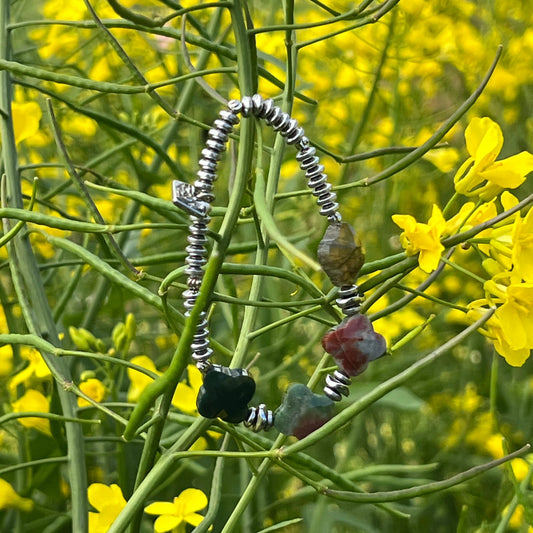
(340, 254)
(302, 411)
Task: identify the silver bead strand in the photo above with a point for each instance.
(199, 202)
(317, 182)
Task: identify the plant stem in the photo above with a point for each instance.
(27, 279)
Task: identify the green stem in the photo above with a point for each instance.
(84, 193)
(422, 490)
(36, 311)
(365, 115)
(358, 406)
(104, 86)
(434, 139)
(524, 486)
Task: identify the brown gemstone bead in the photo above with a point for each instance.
(340, 254)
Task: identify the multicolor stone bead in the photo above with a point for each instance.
(302, 411)
(340, 254)
(225, 394)
(353, 343)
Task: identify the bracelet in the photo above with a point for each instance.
(226, 392)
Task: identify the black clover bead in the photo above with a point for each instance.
(225, 394)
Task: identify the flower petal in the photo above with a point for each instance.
(99, 495)
(166, 523)
(195, 377)
(35, 401)
(160, 508)
(9, 499)
(194, 518)
(406, 222)
(26, 118)
(484, 140)
(429, 259)
(184, 398)
(512, 326)
(436, 220)
(192, 500)
(512, 357)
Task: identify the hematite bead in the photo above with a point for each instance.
(225, 394)
(340, 254)
(302, 411)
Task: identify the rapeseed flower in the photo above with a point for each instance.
(6, 360)
(9, 499)
(108, 501)
(481, 175)
(522, 250)
(423, 238)
(493, 330)
(94, 388)
(516, 311)
(37, 370)
(26, 119)
(138, 380)
(185, 395)
(174, 516)
(511, 326)
(33, 401)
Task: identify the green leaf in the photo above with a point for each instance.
(400, 398)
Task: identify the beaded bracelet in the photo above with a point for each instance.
(226, 392)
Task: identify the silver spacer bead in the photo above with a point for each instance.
(235, 106)
(247, 106)
(259, 418)
(349, 299)
(337, 385)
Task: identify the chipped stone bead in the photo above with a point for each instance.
(225, 394)
(353, 344)
(340, 254)
(302, 411)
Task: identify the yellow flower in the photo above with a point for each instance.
(26, 118)
(108, 501)
(482, 436)
(510, 326)
(516, 313)
(33, 401)
(520, 468)
(423, 238)
(138, 380)
(518, 518)
(185, 396)
(9, 499)
(6, 360)
(493, 444)
(37, 370)
(182, 510)
(94, 388)
(522, 254)
(481, 175)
